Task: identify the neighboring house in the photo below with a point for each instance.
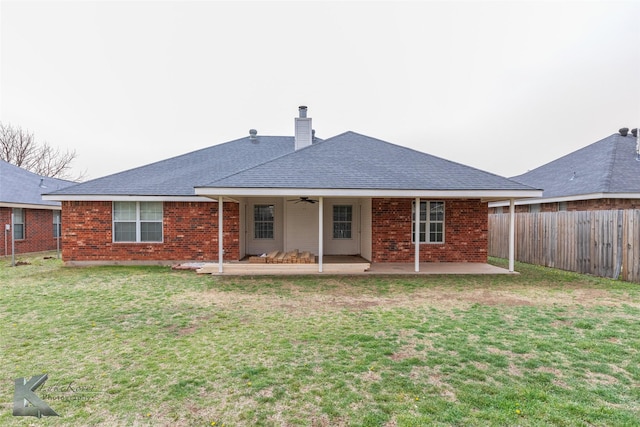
(345, 195)
(602, 176)
(36, 221)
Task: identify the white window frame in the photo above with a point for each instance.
(273, 221)
(138, 221)
(21, 223)
(427, 222)
(350, 222)
(57, 224)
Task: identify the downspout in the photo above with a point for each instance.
(512, 234)
(416, 212)
(320, 232)
(220, 233)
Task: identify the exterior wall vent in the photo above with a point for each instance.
(303, 131)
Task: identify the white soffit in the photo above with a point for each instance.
(29, 206)
(591, 196)
(123, 198)
(317, 192)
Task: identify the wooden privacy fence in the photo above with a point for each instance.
(602, 243)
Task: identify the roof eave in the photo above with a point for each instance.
(122, 198)
(29, 206)
(571, 198)
(347, 192)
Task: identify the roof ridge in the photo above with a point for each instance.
(28, 172)
(422, 153)
(190, 153)
(318, 142)
(617, 145)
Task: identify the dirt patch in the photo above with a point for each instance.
(336, 295)
(597, 378)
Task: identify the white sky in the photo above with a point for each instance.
(501, 86)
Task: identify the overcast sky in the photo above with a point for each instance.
(501, 86)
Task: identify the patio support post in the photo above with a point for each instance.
(320, 233)
(417, 234)
(512, 234)
(220, 222)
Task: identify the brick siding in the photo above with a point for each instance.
(579, 205)
(466, 225)
(38, 226)
(190, 232)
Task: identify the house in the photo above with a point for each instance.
(36, 222)
(601, 176)
(344, 195)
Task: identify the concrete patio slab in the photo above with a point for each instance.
(364, 268)
(437, 268)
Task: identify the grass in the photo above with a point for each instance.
(152, 346)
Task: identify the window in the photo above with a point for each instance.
(535, 208)
(57, 226)
(342, 219)
(18, 224)
(431, 222)
(562, 206)
(137, 221)
(263, 216)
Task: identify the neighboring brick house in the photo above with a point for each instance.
(604, 175)
(36, 221)
(345, 195)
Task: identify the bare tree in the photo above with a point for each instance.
(19, 147)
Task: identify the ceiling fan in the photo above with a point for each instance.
(302, 199)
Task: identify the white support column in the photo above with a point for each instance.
(417, 234)
(512, 234)
(320, 232)
(220, 233)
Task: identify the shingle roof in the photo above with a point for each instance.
(607, 166)
(19, 186)
(177, 176)
(355, 161)
(346, 161)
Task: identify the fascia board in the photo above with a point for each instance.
(29, 206)
(122, 198)
(323, 192)
(591, 196)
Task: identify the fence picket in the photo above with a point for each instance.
(603, 243)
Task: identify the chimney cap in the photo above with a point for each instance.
(303, 111)
(624, 131)
(634, 132)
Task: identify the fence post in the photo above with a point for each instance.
(616, 273)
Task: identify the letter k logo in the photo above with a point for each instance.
(24, 394)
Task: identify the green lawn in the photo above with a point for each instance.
(152, 346)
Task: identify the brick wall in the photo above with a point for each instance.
(38, 225)
(466, 225)
(579, 205)
(190, 232)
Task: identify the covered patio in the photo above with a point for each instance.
(351, 265)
